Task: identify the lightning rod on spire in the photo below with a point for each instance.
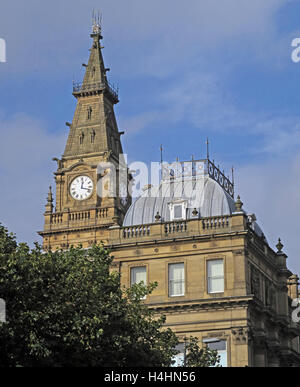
(96, 22)
(207, 148)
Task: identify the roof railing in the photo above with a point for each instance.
(82, 87)
(180, 170)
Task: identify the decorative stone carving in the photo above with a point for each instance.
(269, 293)
(240, 335)
(239, 204)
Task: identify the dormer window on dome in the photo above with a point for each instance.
(178, 210)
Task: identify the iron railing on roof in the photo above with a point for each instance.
(187, 169)
(81, 87)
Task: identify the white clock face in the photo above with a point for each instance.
(81, 188)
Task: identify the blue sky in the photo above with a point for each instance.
(186, 71)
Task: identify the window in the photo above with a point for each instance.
(221, 347)
(138, 275)
(176, 279)
(178, 210)
(179, 358)
(215, 276)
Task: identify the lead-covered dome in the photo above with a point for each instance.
(204, 194)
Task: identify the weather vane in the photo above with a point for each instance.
(96, 22)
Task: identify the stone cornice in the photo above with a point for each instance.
(202, 304)
(192, 238)
(74, 229)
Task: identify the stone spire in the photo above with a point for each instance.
(95, 70)
(94, 130)
(49, 205)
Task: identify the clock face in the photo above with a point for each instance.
(81, 188)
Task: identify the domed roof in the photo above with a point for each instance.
(209, 199)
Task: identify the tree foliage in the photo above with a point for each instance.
(200, 357)
(67, 308)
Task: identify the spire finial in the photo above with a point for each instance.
(49, 205)
(96, 22)
(50, 196)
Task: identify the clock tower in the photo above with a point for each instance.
(92, 176)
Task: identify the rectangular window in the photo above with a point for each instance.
(215, 276)
(176, 279)
(221, 347)
(138, 275)
(179, 358)
(178, 211)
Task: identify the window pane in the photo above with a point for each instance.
(221, 348)
(223, 358)
(176, 288)
(178, 212)
(215, 276)
(176, 271)
(216, 285)
(176, 279)
(217, 345)
(138, 274)
(215, 268)
(179, 358)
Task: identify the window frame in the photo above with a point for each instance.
(175, 203)
(208, 341)
(208, 278)
(146, 276)
(183, 281)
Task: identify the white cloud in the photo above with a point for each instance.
(26, 150)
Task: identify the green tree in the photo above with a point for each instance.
(200, 357)
(67, 308)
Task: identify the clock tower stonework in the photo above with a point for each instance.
(88, 200)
